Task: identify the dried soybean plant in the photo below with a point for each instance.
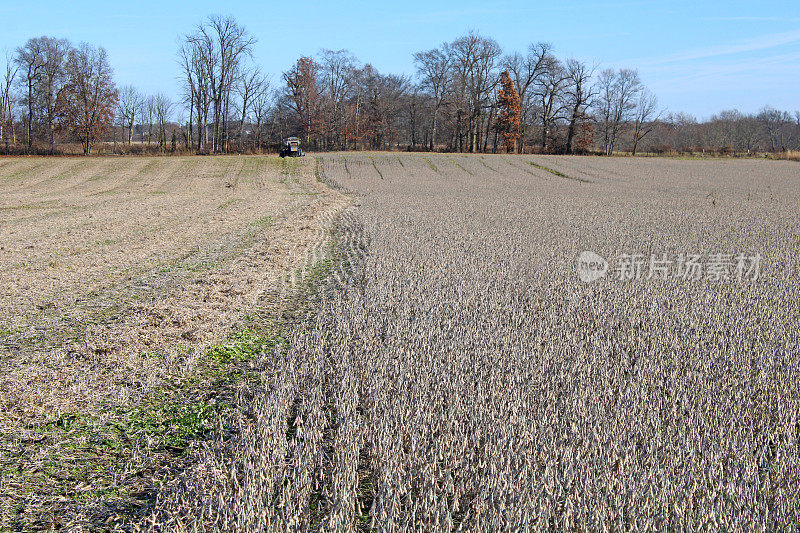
(459, 375)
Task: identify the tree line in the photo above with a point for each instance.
(60, 88)
(464, 96)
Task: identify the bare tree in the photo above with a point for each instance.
(383, 99)
(130, 102)
(722, 128)
(355, 94)
(149, 109)
(548, 91)
(605, 106)
(142, 113)
(749, 133)
(335, 67)
(251, 84)
(41, 61)
(262, 106)
(206, 68)
(729, 131)
(30, 61)
(188, 60)
(162, 107)
(222, 45)
(474, 61)
(525, 71)
(777, 126)
(52, 80)
(413, 109)
(578, 96)
(433, 69)
(645, 115)
(7, 103)
(198, 63)
(617, 93)
(212, 62)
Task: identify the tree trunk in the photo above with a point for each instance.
(545, 126)
(226, 136)
(488, 129)
(459, 136)
(473, 134)
(241, 127)
(30, 114)
(200, 138)
(571, 130)
(433, 130)
(190, 138)
(215, 130)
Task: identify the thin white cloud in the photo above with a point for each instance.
(764, 72)
(753, 19)
(789, 59)
(758, 43)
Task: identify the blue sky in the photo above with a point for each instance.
(697, 56)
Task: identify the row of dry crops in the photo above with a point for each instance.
(461, 376)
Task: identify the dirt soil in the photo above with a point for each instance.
(118, 274)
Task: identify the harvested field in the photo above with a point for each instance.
(117, 278)
(461, 376)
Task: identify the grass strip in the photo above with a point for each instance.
(558, 173)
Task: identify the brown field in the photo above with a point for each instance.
(463, 378)
(116, 277)
(455, 374)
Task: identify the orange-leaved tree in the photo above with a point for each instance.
(87, 104)
(508, 120)
(303, 93)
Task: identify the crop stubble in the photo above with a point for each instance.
(117, 274)
(460, 376)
